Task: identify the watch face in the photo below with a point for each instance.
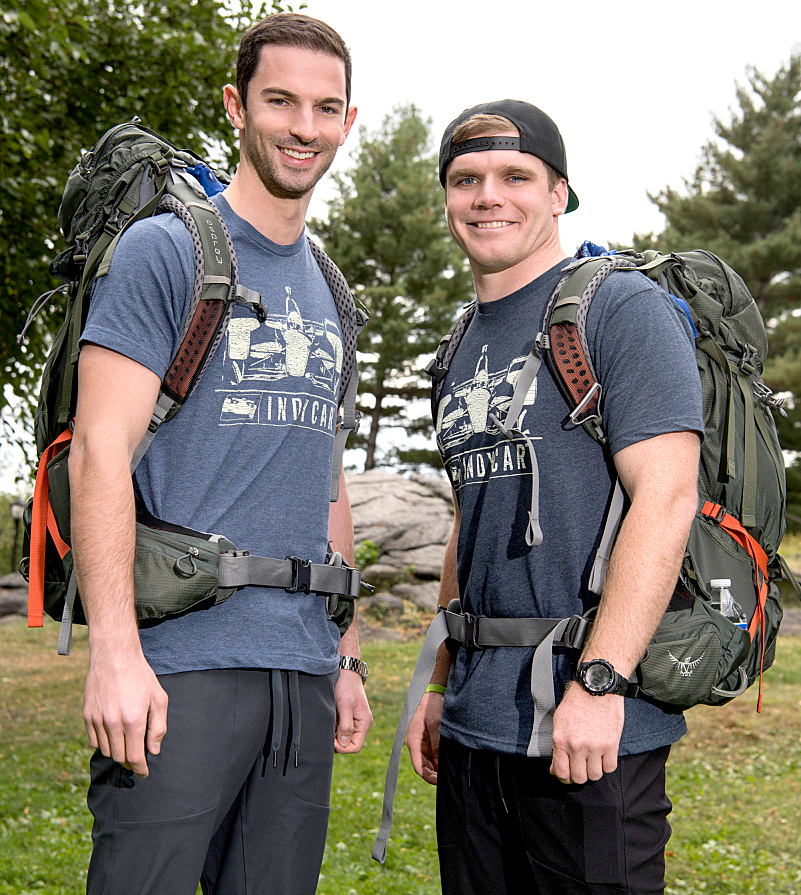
(597, 676)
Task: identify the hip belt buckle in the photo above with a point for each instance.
(301, 575)
(471, 631)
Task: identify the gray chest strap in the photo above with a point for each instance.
(508, 429)
(478, 632)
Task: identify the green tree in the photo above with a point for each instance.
(386, 230)
(744, 204)
(744, 200)
(70, 69)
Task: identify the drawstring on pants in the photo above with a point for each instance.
(277, 717)
(294, 709)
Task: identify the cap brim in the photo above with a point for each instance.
(572, 200)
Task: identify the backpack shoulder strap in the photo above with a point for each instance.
(564, 339)
(437, 367)
(213, 296)
(352, 320)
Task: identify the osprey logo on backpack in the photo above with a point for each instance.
(686, 666)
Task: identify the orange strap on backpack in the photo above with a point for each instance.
(731, 526)
(42, 521)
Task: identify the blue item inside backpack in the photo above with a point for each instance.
(207, 179)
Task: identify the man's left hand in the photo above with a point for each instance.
(586, 735)
(354, 717)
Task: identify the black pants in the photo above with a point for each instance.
(217, 806)
(505, 825)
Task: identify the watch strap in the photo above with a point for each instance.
(351, 663)
(620, 686)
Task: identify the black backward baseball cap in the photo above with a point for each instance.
(539, 136)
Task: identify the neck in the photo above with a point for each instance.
(491, 285)
(280, 220)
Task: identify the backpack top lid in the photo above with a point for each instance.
(103, 175)
(722, 301)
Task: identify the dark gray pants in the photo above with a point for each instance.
(217, 806)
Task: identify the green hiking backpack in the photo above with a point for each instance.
(130, 174)
(697, 654)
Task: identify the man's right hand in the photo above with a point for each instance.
(125, 710)
(422, 738)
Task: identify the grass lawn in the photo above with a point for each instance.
(734, 782)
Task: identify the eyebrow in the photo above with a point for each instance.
(468, 171)
(288, 94)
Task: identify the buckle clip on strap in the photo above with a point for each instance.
(471, 629)
(301, 575)
(575, 632)
(575, 414)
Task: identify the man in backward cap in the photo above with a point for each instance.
(585, 810)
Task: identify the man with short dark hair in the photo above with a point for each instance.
(214, 732)
(585, 810)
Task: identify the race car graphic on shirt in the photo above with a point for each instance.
(266, 358)
(468, 409)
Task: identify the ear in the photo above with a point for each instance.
(349, 119)
(233, 106)
(559, 197)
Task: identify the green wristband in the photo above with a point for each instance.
(435, 688)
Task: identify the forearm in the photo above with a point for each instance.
(643, 571)
(103, 540)
(340, 523)
(340, 536)
(448, 590)
(647, 556)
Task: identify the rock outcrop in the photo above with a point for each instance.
(408, 522)
(13, 596)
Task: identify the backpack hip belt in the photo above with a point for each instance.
(179, 570)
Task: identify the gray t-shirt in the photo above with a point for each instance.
(645, 362)
(249, 455)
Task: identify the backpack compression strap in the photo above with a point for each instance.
(759, 559)
(352, 320)
(42, 521)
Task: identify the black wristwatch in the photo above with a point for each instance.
(599, 677)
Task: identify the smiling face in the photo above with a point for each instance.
(502, 211)
(295, 118)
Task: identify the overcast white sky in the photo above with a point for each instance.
(632, 85)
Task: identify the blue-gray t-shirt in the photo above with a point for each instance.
(249, 455)
(644, 358)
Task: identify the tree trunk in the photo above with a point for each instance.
(375, 419)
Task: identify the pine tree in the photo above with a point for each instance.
(386, 230)
(744, 201)
(744, 204)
